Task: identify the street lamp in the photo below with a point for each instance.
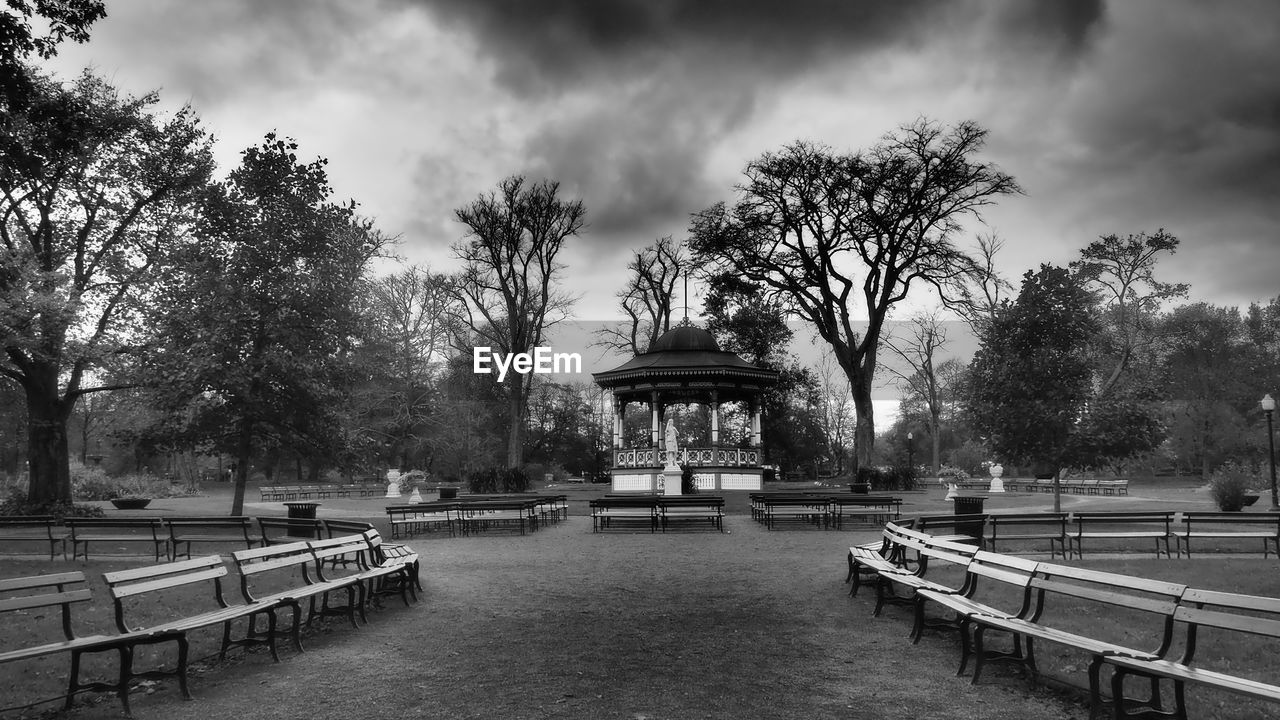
(911, 450)
(1268, 406)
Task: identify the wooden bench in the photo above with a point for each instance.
(478, 515)
(294, 565)
(275, 530)
(965, 527)
(1227, 614)
(417, 518)
(916, 548)
(183, 531)
(34, 599)
(128, 586)
(1147, 607)
(1116, 486)
(980, 593)
(40, 529)
(639, 509)
(875, 508)
(1155, 526)
(807, 509)
(1028, 526)
(117, 530)
(377, 573)
(1229, 525)
(867, 560)
(693, 508)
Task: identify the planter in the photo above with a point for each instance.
(131, 503)
(1250, 499)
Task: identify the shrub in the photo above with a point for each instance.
(16, 504)
(888, 478)
(1229, 484)
(688, 483)
(95, 484)
(498, 480)
(948, 473)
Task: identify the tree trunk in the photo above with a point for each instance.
(244, 450)
(515, 410)
(47, 450)
(864, 428)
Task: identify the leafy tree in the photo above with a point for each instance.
(62, 20)
(507, 286)
(647, 300)
(1030, 380)
(1122, 271)
(94, 191)
(836, 236)
(257, 322)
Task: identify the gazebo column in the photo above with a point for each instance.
(756, 410)
(715, 419)
(653, 410)
(619, 414)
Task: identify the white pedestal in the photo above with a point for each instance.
(951, 491)
(997, 485)
(671, 481)
(416, 497)
(393, 489)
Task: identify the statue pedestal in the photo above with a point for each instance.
(997, 484)
(671, 480)
(393, 489)
(416, 497)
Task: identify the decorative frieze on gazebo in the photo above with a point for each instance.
(686, 365)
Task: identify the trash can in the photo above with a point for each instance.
(860, 488)
(305, 515)
(969, 504)
(448, 493)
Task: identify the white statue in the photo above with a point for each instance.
(672, 446)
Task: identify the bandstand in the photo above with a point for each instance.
(685, 365)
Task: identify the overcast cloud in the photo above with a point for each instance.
(1115, 117)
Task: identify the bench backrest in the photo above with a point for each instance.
(133, 583)
(1120, 518)
(1233, 518)
(334, 528)
(352, 547)
(42, 591)
(255, 561)
(27, 521)
(1157, 598)
(1233, 612)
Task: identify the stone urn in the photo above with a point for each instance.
(997, 483)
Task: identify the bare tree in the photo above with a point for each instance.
(925, 338)
(508, 282)
(838, 236)
(981, 296)
(648, 298)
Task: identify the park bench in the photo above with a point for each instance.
(693, 508)
(1156, 526)
(867, 560)
(268, 493)
(275, 530)
(39, 529)
(183, 531)
(263, 570)
(638, 509)
(377, 573)
(187, 578)
(1028, 526)
(1145, 609)
(1229, 525)
(481, 514)
(34, 599)
(1115, 486)
(807, 509)
(965, 527)
(1232, 616)
(117, 530)
(412, 519)
(873, 508)
(921, 550)
(1002, 581)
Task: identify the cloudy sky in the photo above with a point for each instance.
(1115, 117)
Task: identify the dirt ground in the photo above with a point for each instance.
(567, 623)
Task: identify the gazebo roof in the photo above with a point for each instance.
(685, 356)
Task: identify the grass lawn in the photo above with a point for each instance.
(564, 623)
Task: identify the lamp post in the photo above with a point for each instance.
(1268, 406)
(911, 450)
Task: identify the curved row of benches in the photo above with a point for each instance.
(1015, 597)
(473, 513)
(359, 567)
(168, 537)
(306, 492)
(1067, 533)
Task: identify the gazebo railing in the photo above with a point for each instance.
(695, 457)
